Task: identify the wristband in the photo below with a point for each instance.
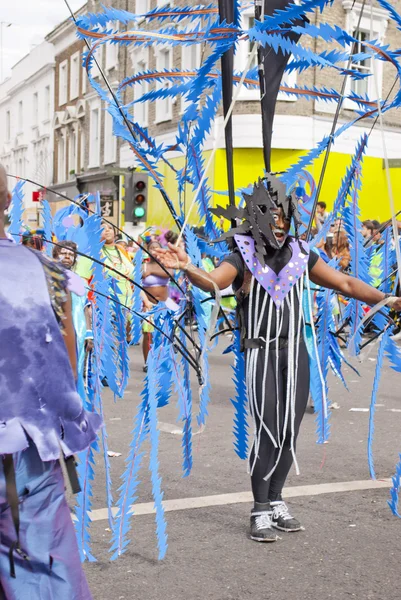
(89, 334)
(390, 300)
(187, 265)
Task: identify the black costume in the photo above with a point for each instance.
(272, 271)
(269, 459)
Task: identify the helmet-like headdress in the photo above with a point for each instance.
(256, 218)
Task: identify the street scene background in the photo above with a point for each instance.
(351, 544)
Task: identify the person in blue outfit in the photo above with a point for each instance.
(42, 421)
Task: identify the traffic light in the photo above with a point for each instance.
(140, 197)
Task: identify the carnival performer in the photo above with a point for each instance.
(66, 253)
(156, 289)
(42, 419)
(116, 257)
(268, 270)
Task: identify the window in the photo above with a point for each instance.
(74, 76)
(8, 126)
(61, 159)
(244, 49)
(141, 7)
(164, 106)
(110, 140)
(47, 103)
(365, 67)
(241, 57)
(72, 161)
(112, 51)
(94, 137)
(98, 55)
(35, 108)
(63, 80)
(190, 61)
(20, 116)
(140, 110)
(82, 150)
(372, 25)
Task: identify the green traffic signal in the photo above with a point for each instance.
(139, 212)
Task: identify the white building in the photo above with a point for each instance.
(26, 113)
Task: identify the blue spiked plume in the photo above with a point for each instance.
(324, 329)
(240, 402)
(120, 344)
(393, 353)
(395, 490)
(182, 385)
(372, 409)
(100, 340)
(47, 226)
(16, 210)
(194, 252)
(137, 300)
(86, 474)
(154, 456)
(130, 480)
(358, 265)
(346, 185)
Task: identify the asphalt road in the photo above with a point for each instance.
(351, 546)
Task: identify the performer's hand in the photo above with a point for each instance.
(397, 305)
(173, 257)
(89, 345)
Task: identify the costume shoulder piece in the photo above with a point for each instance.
(57, 282)
(38, 392)
(277, 285)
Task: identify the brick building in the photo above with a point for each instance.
(86, 152)
(299, 124)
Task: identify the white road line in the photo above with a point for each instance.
(169, 428)
(146, 508)
(173, 429)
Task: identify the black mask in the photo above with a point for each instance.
(257, 217)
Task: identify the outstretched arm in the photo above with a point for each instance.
(328, 277)
(69, 335)
(176, 258)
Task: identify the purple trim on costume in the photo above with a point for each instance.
(155, 281)
(277, 286)
(76, 284)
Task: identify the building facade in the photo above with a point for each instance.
(299, 124)
(86, 153)
(26, 113)
(56, 131)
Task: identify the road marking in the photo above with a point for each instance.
(168, 428)
(147, 508)
(173, 429)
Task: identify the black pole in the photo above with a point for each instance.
(226, 12)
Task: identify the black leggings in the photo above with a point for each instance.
(270, 490)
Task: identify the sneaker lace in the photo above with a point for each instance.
(263, 520)
(280, 509)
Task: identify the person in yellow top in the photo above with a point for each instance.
(116, 257)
